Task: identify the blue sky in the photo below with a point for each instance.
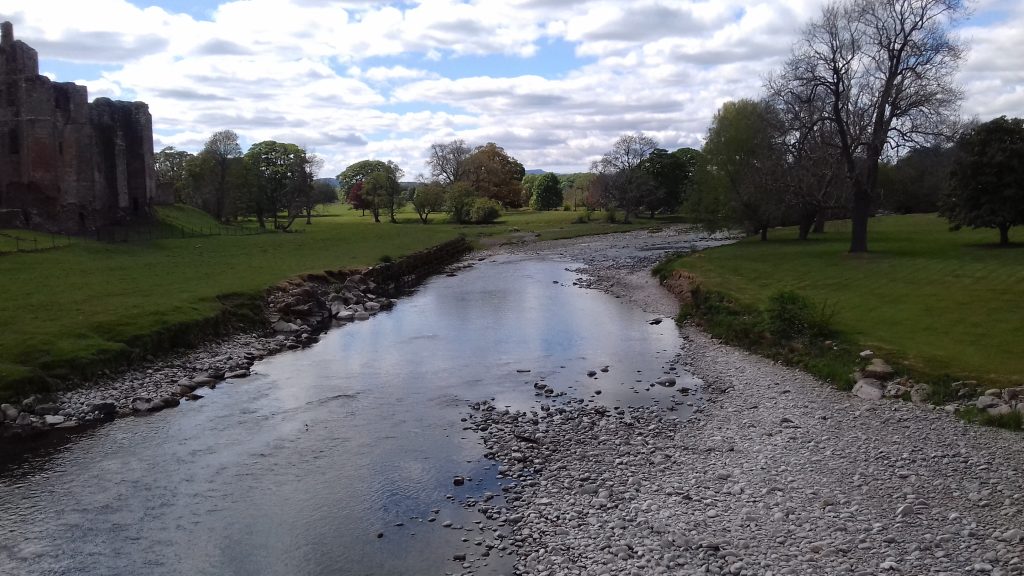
(554, 82)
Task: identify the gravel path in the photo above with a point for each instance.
(776, 474)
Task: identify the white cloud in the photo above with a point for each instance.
(355, 79)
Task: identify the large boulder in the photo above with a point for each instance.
(869, 389)
(282, 326)
(47, 410)
(8, 413)
(986, 402)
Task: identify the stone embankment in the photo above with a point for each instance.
(777, 473)
(297, 311)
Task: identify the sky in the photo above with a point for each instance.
(554, 82)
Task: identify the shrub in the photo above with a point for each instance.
(566, 208)
(386, 259)
(611, 216)
(484, 211)
(790, 316)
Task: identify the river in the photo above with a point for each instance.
(333, 459)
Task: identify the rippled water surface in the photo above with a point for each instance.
(297, 469)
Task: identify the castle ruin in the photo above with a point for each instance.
(67, 165)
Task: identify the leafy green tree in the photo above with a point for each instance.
(547, 194)
(386, 192)
(484, 210)
(282, 181)
(528, 183)
(218, 151)
(987, 181)
(744, 159)
(671, 172)
(458, 201)
(428, 198)
(917, 181)
(171, 177)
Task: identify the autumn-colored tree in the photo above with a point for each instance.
(493, 174)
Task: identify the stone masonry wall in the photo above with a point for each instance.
(67, 165)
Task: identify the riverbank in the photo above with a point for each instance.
(293, 315)
(778, 473)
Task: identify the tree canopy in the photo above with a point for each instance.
(494, 174)
(987, 181)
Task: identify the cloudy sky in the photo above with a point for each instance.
(552, 81)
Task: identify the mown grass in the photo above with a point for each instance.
(91, 305)
(939, 304)
(27, 240)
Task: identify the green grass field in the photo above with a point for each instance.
(941, 302)
(90, 305)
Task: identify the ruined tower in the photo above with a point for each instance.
(67, 165)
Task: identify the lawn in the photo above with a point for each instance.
(90, 305)
(941, 302)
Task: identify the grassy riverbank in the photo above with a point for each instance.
(90, 306)
(940, 304)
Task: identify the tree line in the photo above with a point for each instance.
(863, 116)
(272, 181)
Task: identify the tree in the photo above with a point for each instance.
(493, 174)
(282, 181)
(884, 70)
(547, 195)
(447, 161)
(528, 184)
(671, 172)
(744, 160)
(627, 184)
(171, 175)
(917, 181)
(814, 184)
(385, 194)
(575, 186)
(987, 181)
(429, 198)
(219, 149)
(458, 201)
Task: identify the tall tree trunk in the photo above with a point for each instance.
(805, 227)
(861, 209)
(1004, 234)
(764, 233)
(309, 216)
(819, 222)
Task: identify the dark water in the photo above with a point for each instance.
(297, 469)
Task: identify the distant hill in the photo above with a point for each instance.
(536, 171)
(331, 181)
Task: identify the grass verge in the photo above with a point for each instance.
(936, 304)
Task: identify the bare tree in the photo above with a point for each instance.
(814, 177)
(448, 161)
(627, 184)
(884, 69)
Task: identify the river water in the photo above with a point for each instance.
(331, 459)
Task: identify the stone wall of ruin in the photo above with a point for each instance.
(67, 165)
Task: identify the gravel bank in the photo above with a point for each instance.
(776, 474)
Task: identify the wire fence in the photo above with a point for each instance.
(30, 241)
(166, 230)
